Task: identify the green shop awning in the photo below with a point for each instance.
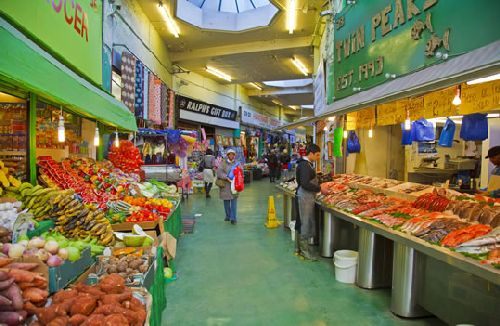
(25, 65)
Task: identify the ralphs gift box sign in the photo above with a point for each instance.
(211, 110)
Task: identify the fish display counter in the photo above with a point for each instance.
(444, 247)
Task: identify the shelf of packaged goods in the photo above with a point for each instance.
(12, 153)
(443, 254)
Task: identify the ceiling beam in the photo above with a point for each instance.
(259, 46)
(282, 91)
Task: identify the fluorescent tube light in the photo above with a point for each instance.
(171, 24)
(483, 79)
(256, 86)
(291, 16)
(218, 73)
(300, 66)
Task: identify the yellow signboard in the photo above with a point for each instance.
(366, 118)
(439, 103)
(389, 114)
(480, 97)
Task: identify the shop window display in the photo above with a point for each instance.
(13, 134)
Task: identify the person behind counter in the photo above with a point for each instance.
(494, 157)
(308, 187)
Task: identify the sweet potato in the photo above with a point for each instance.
(5, 301)
(13, 293)
(93, 290)
(116, 298)
(94, 320)
(116, 320)
(113, 284)
(5, 261)
(4, 276)
(35, 295)
(5, 284)
(109, 309)
(23, 266)
(64, 295)
(20, 275)
(11, 318)
(77, 320)
(83, 305)
(59, 321)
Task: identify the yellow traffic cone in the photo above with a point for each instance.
(272, 222)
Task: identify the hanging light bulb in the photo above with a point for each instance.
(408, 121)
(325, 128)
(96, 137)
(370, 133)
(457, 100)
(61, 131)
(117, 140)
(345, 134)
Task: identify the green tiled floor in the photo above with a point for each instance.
(248, 275)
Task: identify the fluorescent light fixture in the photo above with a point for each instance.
(96, 137)
(326, 128)
(483, 79)
(345, 134)
(289, 83)
(308, 106)
(331, 119)
(61, 131)
(457, 100)
(494, 115)
(276, 102)
(370, 133)
(293, 107)
(300, 66)
(171, 24)
(407, 124)
(218, 73)
(256, 86)
(291, 16)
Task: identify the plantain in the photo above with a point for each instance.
(65, 201)
(41, 191)
(31, 202)
(90, 225)
(34, 190)
(107, 239)
(25, 185)
(72, 205)
(57, 198)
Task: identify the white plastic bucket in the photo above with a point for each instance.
(345, 262)
(292, 230)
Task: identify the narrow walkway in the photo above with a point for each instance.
(245, 274)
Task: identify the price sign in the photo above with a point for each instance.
(480, 97)
(439, 103)
(366, 118)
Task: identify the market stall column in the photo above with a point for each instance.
(32, 138)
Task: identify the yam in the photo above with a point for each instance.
(77, 320)
(23, 266)
(83, 305)
(11, 318)
(94, 320)
(13, 293)
(4, 276)
(59, 321)
(5, 284)
(116, 319)
(35, 295)
(5, 261)
(5, 301)
(20, 275)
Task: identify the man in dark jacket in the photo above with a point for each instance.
(308, 187)
(272, 163)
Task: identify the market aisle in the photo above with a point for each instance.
(248, 275)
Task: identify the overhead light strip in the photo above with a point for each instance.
(291, 16)
(300, 66)
(256, 86)
(218, 73)
(171, 24)
(483, 80)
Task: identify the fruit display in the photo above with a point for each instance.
(110, 302)
(153, 188)
(6, 179)
(76, 220)
(126, 157)
(20, 288)
(160, 206)
(441, 217)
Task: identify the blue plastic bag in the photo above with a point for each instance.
(447, 135)
(422, 130)
(353, 145)
(406, 139)
(474, 127)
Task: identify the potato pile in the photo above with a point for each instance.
(126, 266)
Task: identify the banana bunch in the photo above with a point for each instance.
(37, 199)
(6, 179)
(76, 220)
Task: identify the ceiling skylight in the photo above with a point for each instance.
(226, 15)
(289, 83)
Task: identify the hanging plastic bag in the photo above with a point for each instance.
(239, 179)
(407, 137)
(447, 135)
(474, 127)
(337, 142)
(353, 145)
(233, 187)
(422, 130)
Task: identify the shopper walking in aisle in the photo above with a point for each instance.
(208, 171)
(308, 187)
(224, 183)
(272, 163)
(284, 160)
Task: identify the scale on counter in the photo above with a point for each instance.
(460, 163)
(429, 161)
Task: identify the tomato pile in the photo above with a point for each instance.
(154, 205)
(143, 215)
(126, 157)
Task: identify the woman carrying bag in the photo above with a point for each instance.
(224, 184)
